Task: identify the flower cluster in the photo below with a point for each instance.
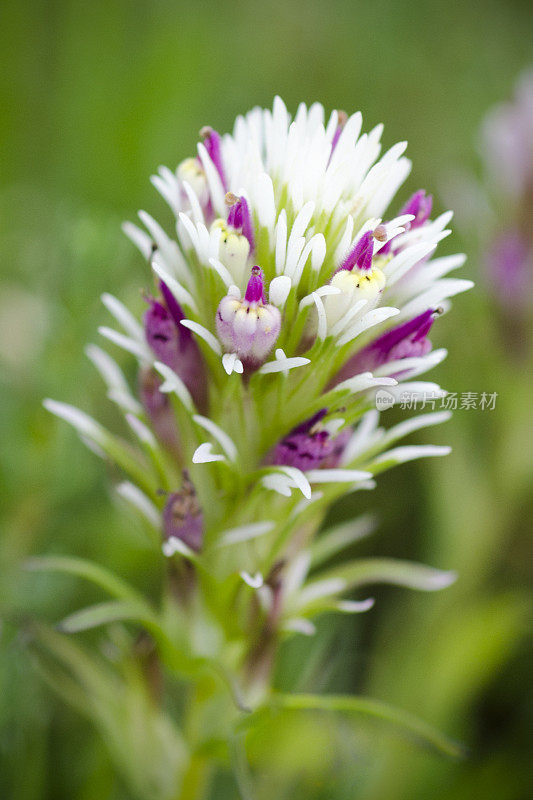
(507, 136)
(284, 295)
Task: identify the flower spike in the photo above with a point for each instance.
(295, 362)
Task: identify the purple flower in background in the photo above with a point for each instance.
(507, 142)
(183, 518)
(510, 268)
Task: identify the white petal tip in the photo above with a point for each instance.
(254, 581)
(441, 580)
(355, 606)
(231, 363)
(300, 625)
(203, 454)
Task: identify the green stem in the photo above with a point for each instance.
(196, 781)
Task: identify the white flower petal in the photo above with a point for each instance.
(298, 478)
(138, 349)
(140, 239)
(222, 271)
(254, 581)
(244, 533)
(319, 589)
(173, 383)
(283, 364)
(124, 317)
(300, 625)
(369, 320)
(411, 452)
(278, 483)
(174, 545)
(141, 431)
(137, 498)
(204, 334)
(336, 475)
(118, 389)
(355, 606)
(225, 441)
(231, 363)
(279, 289)
(83, 423)
(203, 454)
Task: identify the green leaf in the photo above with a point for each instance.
(145, 744)
(390, 570)
(82, 568)
(119, 451)
(339, 537)
(103, 614)
(366, 706)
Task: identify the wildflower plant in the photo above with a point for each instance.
(281, 298)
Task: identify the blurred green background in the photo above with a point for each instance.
(94, 96)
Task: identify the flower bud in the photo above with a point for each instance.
(234, 249)
(405, 341)
(357, 280)
(420, 205)
(183, 518)
(342, 119)
(509, 269)
(212, 143)
(237, 237)
(310, 446)
(239, 217)
(159, 409)
(192, 172)
(174, 345)
(249, 327)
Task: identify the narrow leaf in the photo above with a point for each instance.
(103, 614)
(84, 569)
(336, 539)
(366, 706)
(393, 571)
